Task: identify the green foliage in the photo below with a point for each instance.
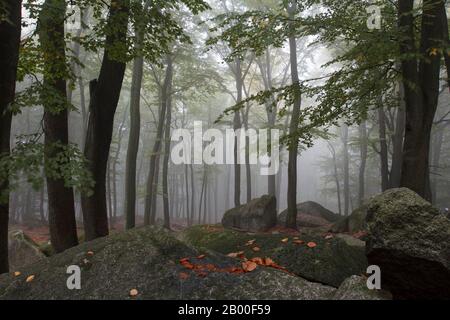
(27, 160)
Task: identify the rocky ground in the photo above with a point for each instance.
(405, 236)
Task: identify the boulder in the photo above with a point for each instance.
(256, 216)
(22, 250)
(330, 262)
(355, 288)
(353, 223)
(311, 214)
(150, 260)
(410, 241)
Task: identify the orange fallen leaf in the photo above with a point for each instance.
(183, 275)
(268, 262)
(17, 273)
(285, 240)
(299, 241)
(184, 260)
(90, 253)
(312, 244)
(134, 292)
(30, 278)
(235, 254)
(202, 256)
(249, 266)
(257, 260)
(256, 249)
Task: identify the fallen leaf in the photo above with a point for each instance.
(299, 241)
(312, 244)
(17, 273)
(257, 260)
(90, 253)
(285, 240)
(183, 275)
(256, 249)
(202, 256)
(134, 292)
(329, 236)
(236, 254)
(30, 278)
(184, 260)
(249, 266)
(268, 262)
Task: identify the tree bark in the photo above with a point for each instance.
(384, 161)
(105, 93)
(165, 172)
(421, 84)
(291, 219)
(62, 223)
(10, 29)
(236, 126)
(150, 196)
(346, 166)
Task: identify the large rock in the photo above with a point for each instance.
(22, 250)
(355, 288)
(148, 260)
(311, 214)
(330, 262)
(257, 215)
(353, 223)
(410, 241)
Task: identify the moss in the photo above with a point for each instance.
(330, 262)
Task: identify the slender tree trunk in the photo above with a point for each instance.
(135, 128)
(336, 176)
(105, 93)
(362, 167)
(186, 181)
(291, 219)
(237, 125)
(383, 149)
(10, 29)
(192, 193)
(148, 217)
(346, 165)
(63, 230)
(165, 172)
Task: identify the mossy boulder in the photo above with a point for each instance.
(409, 240)
(22, 250)
(330, 262)
(354, 223)
(310, 214)
(257, 215)
(355, 288)
(148, 260)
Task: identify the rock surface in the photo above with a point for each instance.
(410, 241)
(257, 215)
(330, 262)
(353, 223)
(22, 250)
(148, 260)
(311, 214)
(355, 288)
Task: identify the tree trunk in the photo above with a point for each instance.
(384, 161)
(62, 223)
(9, 55)
(165, 172)
(149, 218)
(291, 219)
(336, 176)
(135, 128)
(237, 125)
(421, 86)
(362, 167)
(346, 165)
(105, 93)
(397, 153)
